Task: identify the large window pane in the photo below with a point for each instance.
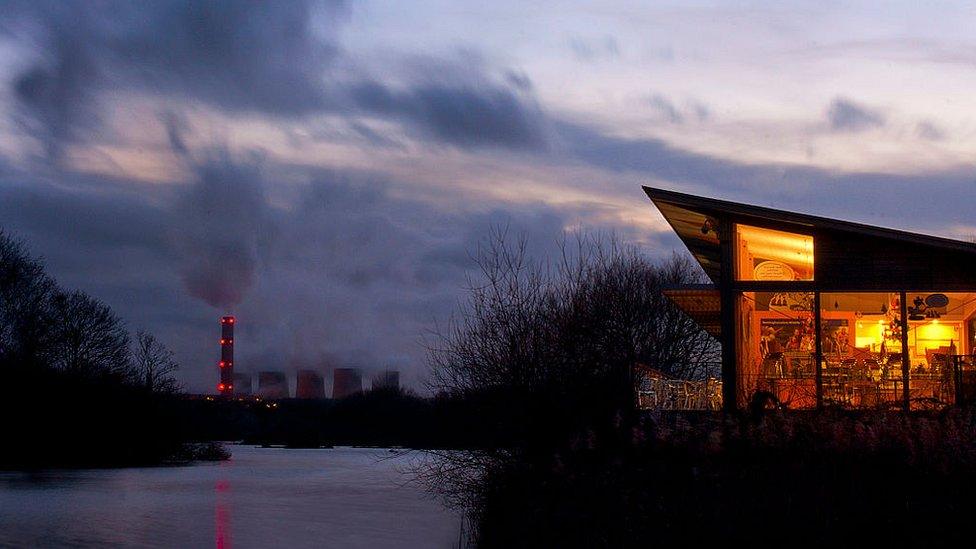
(766, 254)
(861, 345)
(940, 346)
(776, 342)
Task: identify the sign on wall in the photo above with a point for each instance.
(773, 270)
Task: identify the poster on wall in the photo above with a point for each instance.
(836, 336)
(787, 302)
(785, 334)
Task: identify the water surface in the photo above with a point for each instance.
(342, 497)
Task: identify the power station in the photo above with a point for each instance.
(309, 384)
(346, 382)
(274, 384)
(226, 364)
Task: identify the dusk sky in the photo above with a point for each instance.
(324, 170)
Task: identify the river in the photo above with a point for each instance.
(261, 497)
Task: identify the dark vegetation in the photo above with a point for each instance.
(582, 468)
(77, 391)
(795, 480)
(381, 418)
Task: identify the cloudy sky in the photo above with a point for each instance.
(324, 169)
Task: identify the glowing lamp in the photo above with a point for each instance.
(220, 387)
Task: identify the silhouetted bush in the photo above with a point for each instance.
(789, 479)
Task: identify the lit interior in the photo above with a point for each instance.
(767, 254)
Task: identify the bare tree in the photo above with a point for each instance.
(154, 363)
(590, 317)
(25, 311)
(89, 338)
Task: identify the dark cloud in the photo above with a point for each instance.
(234, 55)
(56, 92)
(668, 111)
(176, 127)
(847, 116)
(464, 114)
(271, 58)
(665, 109)
(929, 131)
(591, 50)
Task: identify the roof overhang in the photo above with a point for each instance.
(701, 302)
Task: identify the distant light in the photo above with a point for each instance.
(220, 387)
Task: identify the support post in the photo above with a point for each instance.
(728, 318)
(906, 364)
(818, 352)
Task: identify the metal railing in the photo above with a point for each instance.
(680, 394)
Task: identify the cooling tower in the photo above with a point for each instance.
(272, 385)
(309, 385)
(226, 364)
(242, 384)
(346, 382)
(387, 379)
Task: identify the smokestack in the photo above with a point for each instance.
(309, 385)
(242, 384)
(226, 364)
(346, 382)
(387, 379)
(272, 385)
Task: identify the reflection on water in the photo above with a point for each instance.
(260, 498)
(222, 530)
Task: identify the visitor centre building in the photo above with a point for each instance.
(815, 312)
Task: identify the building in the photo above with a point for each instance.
(309, 385)
(346, 382)
(242, 384)
(814, 312)
(387, 379)
(272, 385)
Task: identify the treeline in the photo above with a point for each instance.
(78, 388)
(381, 418)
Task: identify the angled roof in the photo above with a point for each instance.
(687, 214)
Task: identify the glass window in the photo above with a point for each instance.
(861, 344)
(767, 254)
(939, 344)
(776, 344)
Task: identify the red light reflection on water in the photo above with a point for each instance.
(222, 530)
